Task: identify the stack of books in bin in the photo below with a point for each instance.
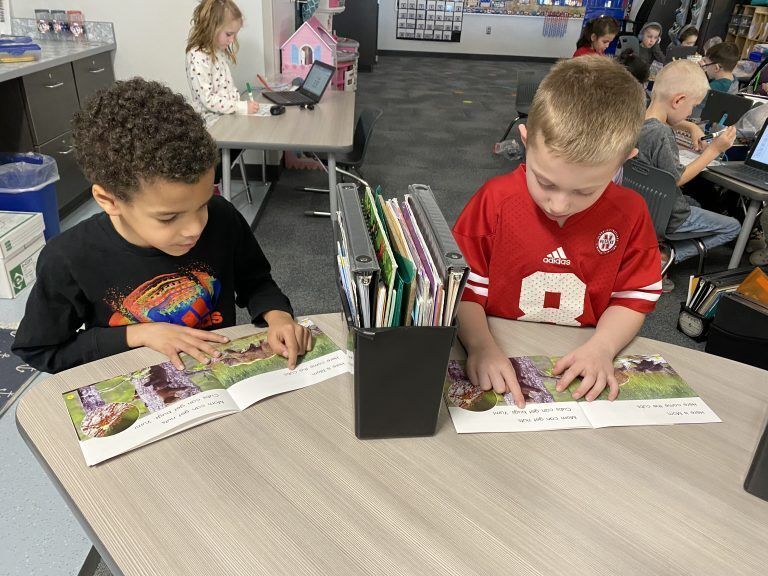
(21, 240)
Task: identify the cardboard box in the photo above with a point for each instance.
(18, 271)
(18, 231)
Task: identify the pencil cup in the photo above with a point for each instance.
(398, 375)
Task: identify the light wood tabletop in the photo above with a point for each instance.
(285, 487)
(327, 128)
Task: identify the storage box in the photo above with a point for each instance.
(399, 375)
(18, 271)
(739, 331)
(18, 230)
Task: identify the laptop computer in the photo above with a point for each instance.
(753, 170)
(310, 91)
(679, 53)
(719, 104)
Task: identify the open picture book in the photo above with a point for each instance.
(132, 410)
(650, 393)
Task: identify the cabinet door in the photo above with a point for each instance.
(52, 100)
(15, 132)
(92, 74)
(72, 184)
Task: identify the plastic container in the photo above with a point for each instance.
(19, 52)
(28, 184)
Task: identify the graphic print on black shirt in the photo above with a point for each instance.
(187, 298)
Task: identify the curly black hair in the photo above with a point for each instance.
(137, 131)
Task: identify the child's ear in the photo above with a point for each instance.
(632, 154)
(106, 200)
(678, 100)
(593, 38)
(524, 134)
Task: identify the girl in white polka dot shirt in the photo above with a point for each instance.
(212, 44)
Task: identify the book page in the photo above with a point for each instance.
(128, 411)
(475, 410)
(650, 393)
(251, 371)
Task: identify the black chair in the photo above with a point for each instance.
(659, 190)
(527, 83)
(352, 161)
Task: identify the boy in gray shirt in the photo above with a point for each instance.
(679, 87)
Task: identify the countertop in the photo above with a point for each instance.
(52, 54)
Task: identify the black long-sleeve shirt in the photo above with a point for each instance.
(92, 283)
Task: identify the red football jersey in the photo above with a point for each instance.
(526, 267)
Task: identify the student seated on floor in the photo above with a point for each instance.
(719, 63)
(165, 261)
(555, 240)
(679, 87)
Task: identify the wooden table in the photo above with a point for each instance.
(756, 197)
(328, 128)
(285, 487)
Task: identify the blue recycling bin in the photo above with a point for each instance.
(28, 184)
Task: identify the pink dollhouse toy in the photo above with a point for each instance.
(309, 43)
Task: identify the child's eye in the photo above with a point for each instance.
(166, 220)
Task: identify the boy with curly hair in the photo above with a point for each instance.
(556, 240)
(165, 261)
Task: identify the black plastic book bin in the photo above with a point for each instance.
(756, 482)
(399, 375)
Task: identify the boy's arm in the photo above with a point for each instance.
(254, 287)
(718, 146)
(48, 338)
(487, 366)
(594, 359)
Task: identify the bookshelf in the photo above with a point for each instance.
(748, 26)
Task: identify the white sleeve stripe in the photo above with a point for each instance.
(477, 279)
(477, 290)
(637, 295)
(654, 286)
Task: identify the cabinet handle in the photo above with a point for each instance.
(54, 85)
(96, 71)
(67, 151)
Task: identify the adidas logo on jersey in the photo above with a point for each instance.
(557, 257)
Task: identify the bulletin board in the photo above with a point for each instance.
(437, 20)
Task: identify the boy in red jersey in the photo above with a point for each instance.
(555, 240)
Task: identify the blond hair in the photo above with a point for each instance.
(680, 77)
(588, 110)
(207, 21)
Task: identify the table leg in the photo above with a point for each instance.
(226, 175)
(746, 228)
(332, 183)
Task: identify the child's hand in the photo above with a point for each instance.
(490, 368)
(725, 140)
(253, 107)
(595, 366)
(286, 337)
(171, 339)
(696, 137)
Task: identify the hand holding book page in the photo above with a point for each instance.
(132, 410)
(651, 393)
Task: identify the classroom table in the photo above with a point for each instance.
(756, 197)
(328, 128)
(285, 487)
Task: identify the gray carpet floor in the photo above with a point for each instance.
(440, 120)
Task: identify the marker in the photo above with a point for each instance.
(713, 135)
(250, 91)
(263, 82)
(723, 119)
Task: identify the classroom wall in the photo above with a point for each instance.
(152, 34)
(510, 36)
